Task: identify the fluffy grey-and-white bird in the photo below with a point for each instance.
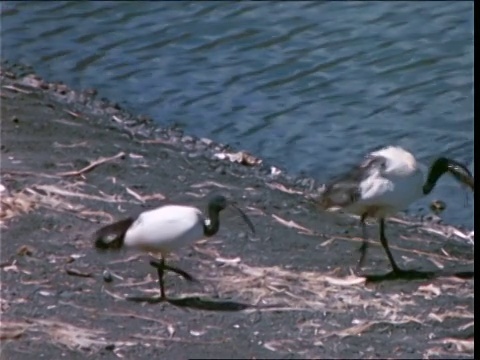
(387, 181)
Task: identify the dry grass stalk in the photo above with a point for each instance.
(16, 204)
(291, 290)
(292, 224)
(278, 186)
(52, 189)
(16, 88)
(213, 184)
(52, 197)
(57, 332)
(92, 165)
(145, 198)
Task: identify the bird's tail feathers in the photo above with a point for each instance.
(110, 237)
(320, 200)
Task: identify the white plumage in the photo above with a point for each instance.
(387, 181)
(390, 187)
(163, 230)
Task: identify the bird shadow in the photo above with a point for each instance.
(416, 275)
(195, 302)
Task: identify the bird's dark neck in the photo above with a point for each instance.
(443, 165)
(212, 228)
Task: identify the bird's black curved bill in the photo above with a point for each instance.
(245, 218)
(462, 174)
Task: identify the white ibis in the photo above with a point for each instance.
(387, 181)
(165, 229)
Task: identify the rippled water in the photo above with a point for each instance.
(309, 86)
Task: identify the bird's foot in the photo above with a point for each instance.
(159, 265)
(147, 299)
(363, 252)
(400, 274)
(358, 270)
(180, 272)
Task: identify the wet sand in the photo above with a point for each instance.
(71, 163)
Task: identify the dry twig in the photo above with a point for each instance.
(92, 166)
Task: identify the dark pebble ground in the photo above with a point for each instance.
(286, 292)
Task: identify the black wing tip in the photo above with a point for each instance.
(116, 230)
(102, 245)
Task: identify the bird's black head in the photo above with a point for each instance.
(217, 203)
(443, 165)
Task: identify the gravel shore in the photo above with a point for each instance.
(71, 163)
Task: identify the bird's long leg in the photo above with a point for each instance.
(384, 242)
(180, 272)
(363, 248)
(160, 266)
(161, 272)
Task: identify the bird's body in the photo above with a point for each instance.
(163, 230)
(387, 181)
